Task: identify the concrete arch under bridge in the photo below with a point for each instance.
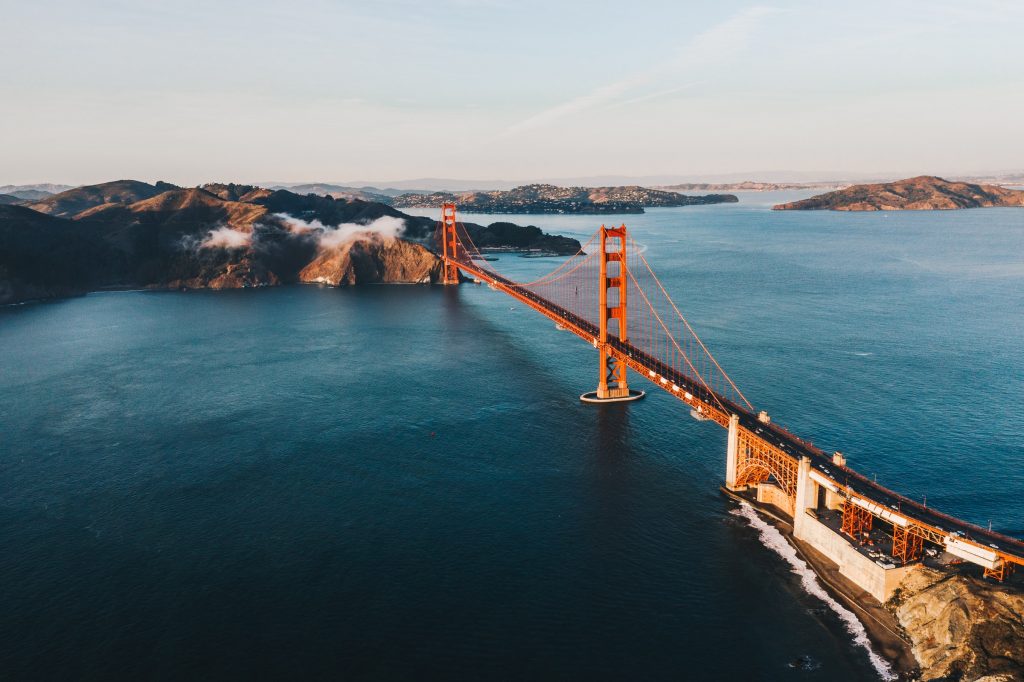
(752, 461)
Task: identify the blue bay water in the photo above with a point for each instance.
(399, 482)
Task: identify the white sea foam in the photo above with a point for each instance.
(774, 540)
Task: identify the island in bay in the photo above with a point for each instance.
(923, 193)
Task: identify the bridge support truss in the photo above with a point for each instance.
(1002, 570)
(906, 544)
(856, 521)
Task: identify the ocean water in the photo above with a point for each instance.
(399, 482)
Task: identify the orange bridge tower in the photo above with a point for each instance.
(449, 245)
(611, 378)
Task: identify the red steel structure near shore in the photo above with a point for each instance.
(601, 295)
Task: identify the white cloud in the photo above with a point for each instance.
(299, 226)
(226, 238)
(387, 227)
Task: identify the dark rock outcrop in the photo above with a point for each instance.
(46, 257)
(962, 628)
(371, 258)
(229, 191)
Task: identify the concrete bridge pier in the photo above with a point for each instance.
(806, 497)
(732, 452)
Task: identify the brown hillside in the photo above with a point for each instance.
(74, 201)
(184, 207)
(923, 193)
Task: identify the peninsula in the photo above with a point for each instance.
(923, 193)
(131, 234)
(751, 186)
(553, 199)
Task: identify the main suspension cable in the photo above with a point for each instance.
(693, 333)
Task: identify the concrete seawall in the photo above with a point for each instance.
(878, 580)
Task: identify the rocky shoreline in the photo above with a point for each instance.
(940, 625)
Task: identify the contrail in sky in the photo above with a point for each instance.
(715, 44)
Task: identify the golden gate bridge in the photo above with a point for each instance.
(609, 295)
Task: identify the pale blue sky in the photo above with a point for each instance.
(191, 91)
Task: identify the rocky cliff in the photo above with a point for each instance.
(923, 193)
(962, 628)
(370, 258)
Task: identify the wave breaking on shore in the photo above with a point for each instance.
(775, 541)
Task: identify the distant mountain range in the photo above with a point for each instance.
(923, 193)
(342, 192)
(721, 182)
(23, 195)
(132, 234)
(72, 202)
(713, 180)
(34, 191)
(428, 185)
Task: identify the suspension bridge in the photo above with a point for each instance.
(609, 295)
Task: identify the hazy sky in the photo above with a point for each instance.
(193, 91)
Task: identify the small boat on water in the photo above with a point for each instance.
(699, 415)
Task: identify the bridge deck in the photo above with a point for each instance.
(718, 407)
